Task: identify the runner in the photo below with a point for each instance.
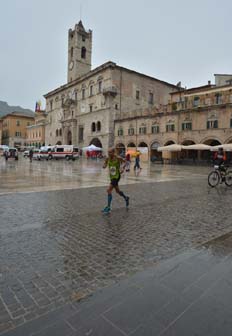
(114, 162)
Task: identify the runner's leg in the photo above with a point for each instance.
(109, 191)
(121, 193)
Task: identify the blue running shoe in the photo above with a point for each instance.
(127, 201)
(106, 210)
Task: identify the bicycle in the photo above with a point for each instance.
(220, 174)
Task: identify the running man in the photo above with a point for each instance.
(114, 162)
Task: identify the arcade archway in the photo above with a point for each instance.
(96, 142)
(207, 155)
(154, 151)
(188, 154)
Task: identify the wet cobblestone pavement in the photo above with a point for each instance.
(56, 247)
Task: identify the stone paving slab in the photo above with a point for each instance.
(143, 305)
(56, 248)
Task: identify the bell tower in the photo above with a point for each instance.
(79, 52)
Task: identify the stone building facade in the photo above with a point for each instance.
(14, 129)
(198, 115)
(35, 133)
(84, 110)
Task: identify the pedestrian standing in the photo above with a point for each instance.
(31, 154)
(137, 162)
(6, 155)
(128, 162)
(113, 162)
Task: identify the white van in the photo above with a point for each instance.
(45, 152)
(68, 152)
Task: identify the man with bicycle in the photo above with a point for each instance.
(220, 159)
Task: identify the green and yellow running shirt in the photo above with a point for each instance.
(114, 168)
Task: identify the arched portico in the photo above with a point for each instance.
(206, 155)
(154, 154)
(211, 142)
(188, 154)
(143, 149)
(169, 142)
(96, 142)
(131, 144)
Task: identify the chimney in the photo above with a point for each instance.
(209, 82)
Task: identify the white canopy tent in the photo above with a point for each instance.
(226, 147)
(92, 148)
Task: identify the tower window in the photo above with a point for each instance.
(83, 52)
(83, 38)
(137, 94)
(71, 52)
(98, 126)
(93, 127)
(83, 93)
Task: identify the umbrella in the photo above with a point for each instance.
(170, 148)
(226, 147)
(133, 152)
(91, 148)
(197, 147)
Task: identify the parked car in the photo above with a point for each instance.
(26, 153)
(12, 153)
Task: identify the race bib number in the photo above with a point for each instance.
(113, 171)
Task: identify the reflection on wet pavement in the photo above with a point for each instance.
(23, 176)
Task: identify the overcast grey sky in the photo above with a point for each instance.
(172, 40)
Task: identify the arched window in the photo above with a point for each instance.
(71, 52)
(93, 127)
(98, 126)
(83, 52)
(60, 132)
(57, 132)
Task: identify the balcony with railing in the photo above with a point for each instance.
(110, 91)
